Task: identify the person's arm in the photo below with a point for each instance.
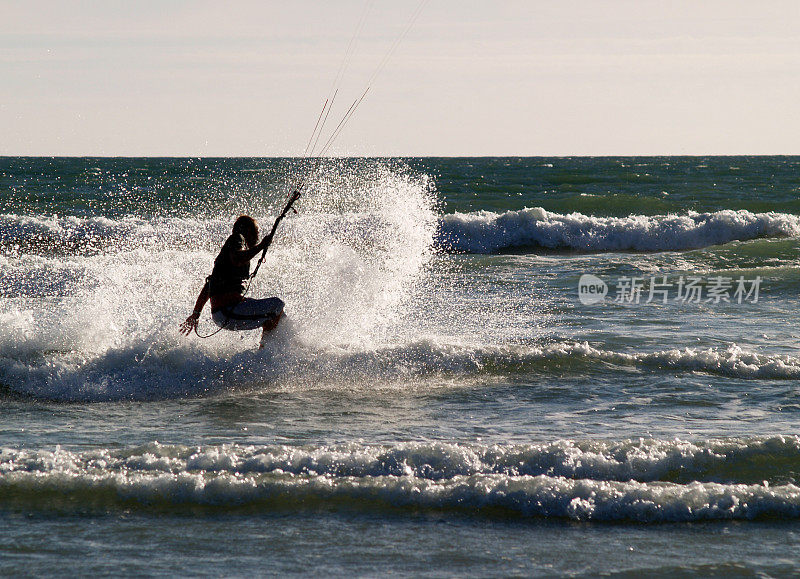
(191, 322)
(243, 256)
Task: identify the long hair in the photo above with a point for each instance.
(244, 224)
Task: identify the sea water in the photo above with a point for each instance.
(446, 396)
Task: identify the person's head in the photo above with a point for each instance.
(247, 227)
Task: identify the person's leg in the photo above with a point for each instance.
(268, 327)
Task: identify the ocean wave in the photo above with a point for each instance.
(639, 480)
(60, 235)
(488, 232)
(158, 369)
(478, 232)
(433, 357)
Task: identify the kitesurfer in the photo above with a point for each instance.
(227, 284)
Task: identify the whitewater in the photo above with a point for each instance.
(437, 382)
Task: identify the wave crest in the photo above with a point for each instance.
(159, 370)
(488, 232)
(625, 480)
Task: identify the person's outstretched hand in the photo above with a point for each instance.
(265, 243)
(190, 324)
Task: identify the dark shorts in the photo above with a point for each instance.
(249, 314)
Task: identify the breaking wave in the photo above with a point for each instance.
(164, 370)
(641, 480)
(478, 232)
(488, 232)
(90, 305)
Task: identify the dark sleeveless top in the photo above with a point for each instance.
(227, 278)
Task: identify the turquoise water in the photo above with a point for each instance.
(440, 401)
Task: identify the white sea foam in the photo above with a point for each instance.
(166, 367)
(22, 235)
(730, 361)
(626, 480)
(734, 460)
(478, 232)
(101, 323)
(487, 232)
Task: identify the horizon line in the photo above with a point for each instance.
(333, 157)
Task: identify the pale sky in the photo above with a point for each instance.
(502, 77)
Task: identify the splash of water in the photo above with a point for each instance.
(90, 306)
